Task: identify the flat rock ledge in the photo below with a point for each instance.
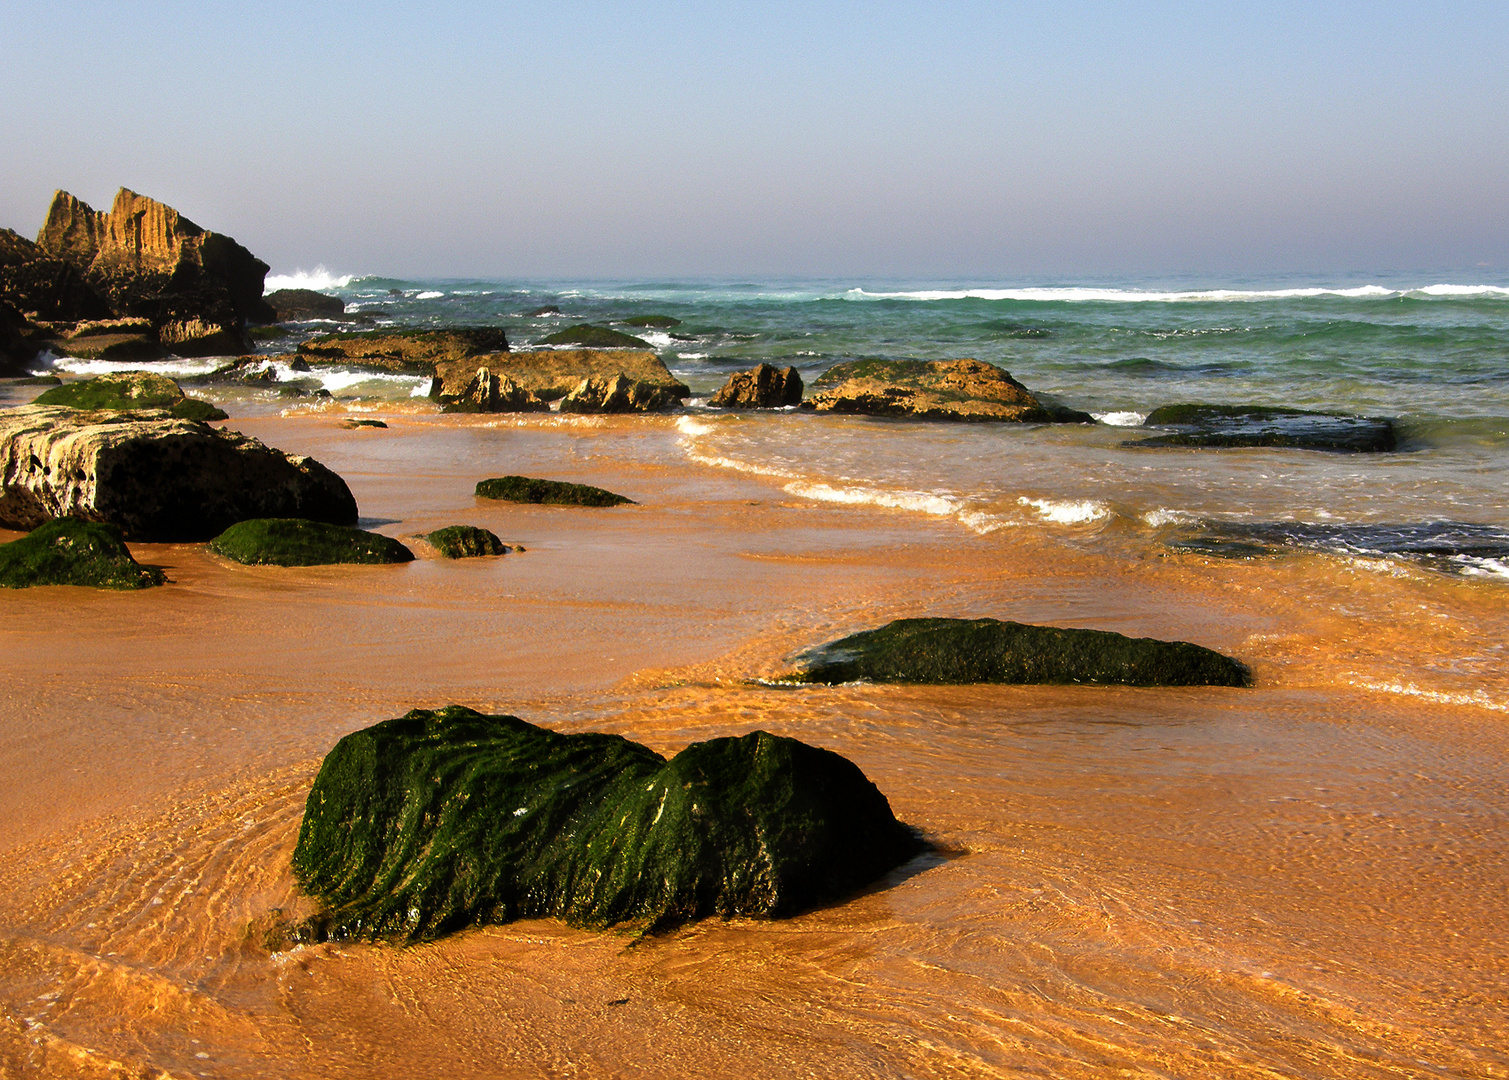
(1234, 426)
(528, 489)
(959, 390)
(157, 477)
(73, 552)
(439, 820)
(960, 651)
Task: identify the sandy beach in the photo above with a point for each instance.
(1302, 879)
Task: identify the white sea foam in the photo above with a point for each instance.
(691, 356)
(431, 295)
(1082, 294)
(1163, 516)
(336, 380)
(1483, 567)
(690, 425)
(319, 279)
(1121, 419)
(1478, 698)
(937, 505)
(1066, 511)
(658, 339)
(198, 366)
(1464, 290)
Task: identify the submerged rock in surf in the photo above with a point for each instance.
(1456, 547)
(991, 651)
(299, 542)
(68, 551)
(466, 542)
(933, 390)
(761, 387)
(594, 337)
(1231, 426)
(489, 392)
(439, 820)
(527, 489)
(130, 391)
(618, 394)
(156, 476)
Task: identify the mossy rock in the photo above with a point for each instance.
(355, 423)
(35, 380)
(1235, 426)
(527, 489)
(130, 391)
(444, 819)
(595, 337)
(68, 551)
(991, 651)
(465, 542)
(653, 322)
(297, 542)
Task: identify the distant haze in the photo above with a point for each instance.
(880, 139)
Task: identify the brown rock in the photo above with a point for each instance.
(554, 373)
(102, 346)
(46, 288)
(295, 304)
(16, 352)
(492, 393)
(618, 394)
(763, 387)
(158, 478)
(967, 390)
(410, 352)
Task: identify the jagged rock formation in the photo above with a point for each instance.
(408, 352)
(618, 394)
(553, 373)
(295, 304)
(157, 477)
(490, 392)
(762, 387)
(932, 390)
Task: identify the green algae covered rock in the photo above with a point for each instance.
(297, 542)
(653, 322)
(130, 391)
(443, 819)
(465, 542)
(67, 551)
(595, 337)
(527, 489)
(990, 651)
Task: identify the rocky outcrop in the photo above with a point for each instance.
(553, 373)
(527, 489)
(408, 352)
(73, 552)
(439, 820)
(763, 387)
(130, 391)
(989, 651)
(594, 337)
(294, 305)
(42, 288)
(618, 394)
(300, 542)
(16, 352)
(198, 288)
(466, 542)
(489, 392)
(1230, 426)
(157, 477)
(969, 390)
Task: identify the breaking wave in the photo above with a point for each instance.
(319, 280)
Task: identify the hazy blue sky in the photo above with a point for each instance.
(666, 139)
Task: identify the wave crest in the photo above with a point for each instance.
(318, 280)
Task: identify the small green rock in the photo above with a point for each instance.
(354, 423)
(297, 542)
(67, 551)
(439, 820)
(653, 322)
(465, 542)
(595, 337)
(990, 651)
(526, 489)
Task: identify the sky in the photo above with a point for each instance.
(998, 142)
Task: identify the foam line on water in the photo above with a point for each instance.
(1478, 698)
(1121, 419)
(1068, 511)
(1085, 293)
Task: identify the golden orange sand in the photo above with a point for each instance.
(1305, 879)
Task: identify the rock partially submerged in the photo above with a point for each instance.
(157, 477)
(297, 305)
(466, 542)
(73, 552)
(932, 390)
(618, 394)
(551, 374)
(130, 391)
(653, 322)
(1230, 426)
(762, 387)
(594, 337)
(489, 392)
(527, 489)
(990, 651)
(420, 826)
(407, 352)
(300, 542)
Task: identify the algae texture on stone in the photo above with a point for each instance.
(527, 489)
(991, 651)
(68, 551)
(466, 542)
(130, 391)
(298, 542)
(595, 337)
(443, 819)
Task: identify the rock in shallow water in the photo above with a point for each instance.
(618, 394)
(423, 825)
(131, 390)
(73, 552)
(466, 542)
(761, 387)
(991, 651)
(968, 390)
(527, 489)
(1231, 426)
(297, 542)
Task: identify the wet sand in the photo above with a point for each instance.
(1304, 879)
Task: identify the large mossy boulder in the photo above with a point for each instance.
(1231, 426)
(527, 489)
(73, 552)
(968, 390)
(300, 542)
(407, 352)
(466, 542)
(444, 819)
(761, 387)
(156, 476)
(594, 337)
(990, 651)
(130, 391)
(551, 374)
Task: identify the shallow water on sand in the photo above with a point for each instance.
(1302, 879)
